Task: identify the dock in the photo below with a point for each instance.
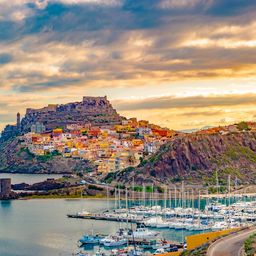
(102, 217)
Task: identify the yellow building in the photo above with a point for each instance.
(143, 123)
(137, 142)
(104, 144)
(69, 143)
(57, 130)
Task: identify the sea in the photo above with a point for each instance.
(29, 178)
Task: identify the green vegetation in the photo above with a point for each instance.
(249, 247)
(109, 180)
(110, 177)
(27, 154)
(95, 187)
(56, 153)
(243, 126)
(54, 196)
(130, 169)
(138, 188)
(44, 158)
(48, 156)
(233, 154)
(120, 186)
(176, 179)
(148, 189)
(143, 163)
(214, 190)
(155, 159)
(160, 189)
(248, 153)
(230, 171)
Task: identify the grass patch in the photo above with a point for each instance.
(26, 154)
(248, 245)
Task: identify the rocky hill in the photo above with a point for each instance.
(15, 158)
(95, 110)
(196, 158)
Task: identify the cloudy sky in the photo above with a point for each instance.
(179, 63)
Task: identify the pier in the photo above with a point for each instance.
(102, 217)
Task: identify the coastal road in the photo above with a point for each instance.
(230, 245)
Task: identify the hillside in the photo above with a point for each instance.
(94, 110)
(15, 158)
(196, 158)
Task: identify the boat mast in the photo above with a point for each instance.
(115, 200)
(119, 198)
(144, 195)
(170, 198)
(126, 200)
(199, 203)
(182, 195)
(229, 196)
(165, 197)
(193, 200)
(108, 197)
(175, 197)
(152, 195)
(133, 191)
(217, 183)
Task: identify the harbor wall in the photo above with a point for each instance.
(171, 254)
(198, 240)
(195, 241)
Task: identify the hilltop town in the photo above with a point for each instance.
(90, 130)
(91, 137)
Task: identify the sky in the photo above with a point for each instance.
(181, 64)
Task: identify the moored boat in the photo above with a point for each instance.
(93, 239)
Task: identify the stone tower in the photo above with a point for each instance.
(18, 121)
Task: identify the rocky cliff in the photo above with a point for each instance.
(196, 158)
(15, 158)
(95, 110)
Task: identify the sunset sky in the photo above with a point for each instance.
(178, 63)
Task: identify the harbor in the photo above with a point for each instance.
(144, 221)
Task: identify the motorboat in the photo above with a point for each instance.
(153, 221)
(142, 233)
(220, 225)
(163, 224)
(93, 239)
(114, 241)
(159, 251)
(83, 213)
(137, 252)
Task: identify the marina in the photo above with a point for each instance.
(45, 228)
(178, 212)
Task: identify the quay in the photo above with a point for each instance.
(146, 243)
(102, 217)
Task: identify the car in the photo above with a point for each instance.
(173, 249)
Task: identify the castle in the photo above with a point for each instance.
(96, 111)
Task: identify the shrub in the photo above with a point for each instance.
(93, 187)
(243, 126)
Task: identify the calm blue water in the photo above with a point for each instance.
(41, 228)
(28, 178)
